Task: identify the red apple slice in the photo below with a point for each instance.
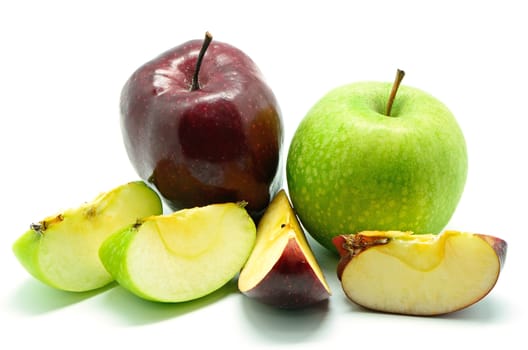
(282, 270)
(399, 272)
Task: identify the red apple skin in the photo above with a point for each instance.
(345, 255)
(219, 143)
(499, 246)
(291, 283)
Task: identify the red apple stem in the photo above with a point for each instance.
(195, 85)
(397, 81)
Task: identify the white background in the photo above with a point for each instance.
(62, 66)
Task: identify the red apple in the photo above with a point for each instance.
(201, 125)
(282, 270)
(426, 274)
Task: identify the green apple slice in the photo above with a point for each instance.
(399, 272)
(181, 256)
(62, 250)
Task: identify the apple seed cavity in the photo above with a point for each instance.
(357, 243)
(351, 245)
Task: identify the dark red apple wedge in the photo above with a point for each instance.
(282, 270)
(399, 272)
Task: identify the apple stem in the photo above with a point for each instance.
(242, 204)
(397, 81)
(195, 85)
(41, 226)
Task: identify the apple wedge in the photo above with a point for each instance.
(62, 250)
(426, 274)
(183, 255)
(282, 270)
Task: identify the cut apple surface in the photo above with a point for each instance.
(62, 250)
(183, 255)
(282, 270)
(399, 272)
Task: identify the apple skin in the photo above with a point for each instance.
(282, 270)
(499, 246)
(180, 256)
(351, 248)
(61, 251)
(219, 143)
(291, 282)
(351, 168)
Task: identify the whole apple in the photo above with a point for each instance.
(364, 158)
(201, 125)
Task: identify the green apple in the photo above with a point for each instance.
(366, 159)
(183, 255)
(62, 250)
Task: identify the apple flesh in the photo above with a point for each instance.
(426, 274)
(181, 256)
(62, 250)
(282, 270)
(200, 123)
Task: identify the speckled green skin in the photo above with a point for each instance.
(352, 168)
(180, 256)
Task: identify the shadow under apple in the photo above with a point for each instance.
(34, 298)
(132, 310)
(284, 325)
(490, 310)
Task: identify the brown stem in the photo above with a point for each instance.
(43, 225)
(195, 85)
(397, 81)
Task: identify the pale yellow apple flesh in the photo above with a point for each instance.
(282, 269)
(399, 272)
(183, 255)
(62, 250)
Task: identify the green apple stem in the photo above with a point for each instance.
(399, 77)
(195, 85)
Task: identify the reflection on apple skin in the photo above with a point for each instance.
(220, 142)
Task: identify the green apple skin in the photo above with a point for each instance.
(181, 256)
(351, 168)
(63, 251)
